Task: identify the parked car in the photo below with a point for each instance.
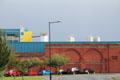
(73, 70)
(61, 71)
(12, 73)
(44, 72)
(32, 73)
(87, 71)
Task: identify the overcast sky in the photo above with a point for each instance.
(80, 18)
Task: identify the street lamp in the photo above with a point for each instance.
(50, 43)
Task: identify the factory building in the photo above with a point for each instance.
(12, 35)
(100, 56)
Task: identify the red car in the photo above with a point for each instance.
(12, 73)
(33, 73)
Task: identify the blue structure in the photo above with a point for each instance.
(28, 47)
(39, 47)
(12, 35)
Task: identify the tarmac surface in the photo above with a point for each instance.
(84, 77)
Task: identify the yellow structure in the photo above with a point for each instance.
(27, 36)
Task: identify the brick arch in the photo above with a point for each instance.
(93, 59)
(95, 50)
(74, 56)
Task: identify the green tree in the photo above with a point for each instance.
(4, 52)
(21, 66)
(12, 61)
(56, 61)
(25, 65)
(32, 63)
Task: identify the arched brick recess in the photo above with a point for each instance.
(74, 57)
(93, 59)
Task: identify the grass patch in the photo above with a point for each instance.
(25, 78)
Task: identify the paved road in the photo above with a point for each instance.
(85, 77)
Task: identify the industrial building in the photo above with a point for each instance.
(100, 56)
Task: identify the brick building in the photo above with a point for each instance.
(102, 57)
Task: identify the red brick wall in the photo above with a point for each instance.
(93, 56)
(30, 55)
(102, 58)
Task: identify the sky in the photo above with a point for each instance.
(79, 18)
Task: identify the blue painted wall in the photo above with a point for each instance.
(39, 47)
(28, 47)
